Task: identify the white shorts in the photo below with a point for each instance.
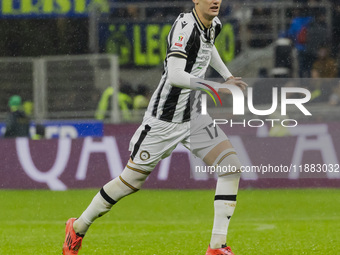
(156, 139)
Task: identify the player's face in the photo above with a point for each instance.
(208, 8)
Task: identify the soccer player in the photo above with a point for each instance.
(173, 117)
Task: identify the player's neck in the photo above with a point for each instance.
(206, 22)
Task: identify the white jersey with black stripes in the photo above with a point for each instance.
(188, 39)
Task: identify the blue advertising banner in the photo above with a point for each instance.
(71, 129)
(49, 8)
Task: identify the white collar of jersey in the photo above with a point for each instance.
(208, 32)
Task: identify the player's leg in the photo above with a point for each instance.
(130, 181)
(224, 156)
(151, 143)
(210, 143)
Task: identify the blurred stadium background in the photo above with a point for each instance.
(67, 61)
(52, 51)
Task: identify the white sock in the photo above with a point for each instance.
(217, 241)
(224, 206)
(110, 194)
(127, 183)
(97, 208)
(224, 209)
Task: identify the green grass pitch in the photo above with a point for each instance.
(153, 222)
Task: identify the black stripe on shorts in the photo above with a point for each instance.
(140, 140)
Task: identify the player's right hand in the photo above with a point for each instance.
(237, 81)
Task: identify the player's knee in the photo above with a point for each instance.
(228, 168)
(134, 175)
(115, 190)
(228, 164)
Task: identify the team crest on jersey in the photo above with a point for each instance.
(144, 155)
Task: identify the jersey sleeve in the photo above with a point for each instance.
(180, 78)
(179, 37)
(217, 63)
